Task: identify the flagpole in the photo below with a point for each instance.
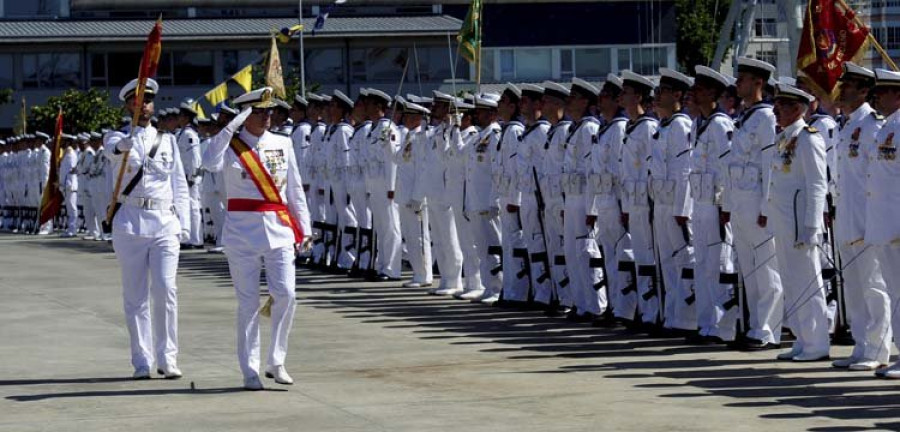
(884, 55)
(478, 60)
(24, 117)
(452, 69)
(302, 53)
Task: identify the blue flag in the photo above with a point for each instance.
(323, 15)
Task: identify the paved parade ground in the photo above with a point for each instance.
(369, 356)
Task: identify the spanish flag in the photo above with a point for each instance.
(52, 198)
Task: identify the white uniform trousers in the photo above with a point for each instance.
(319, 212)
(867, 303)
(558, 271)
(675, 254)
(99, 201)
(386, 219)
(196, 235)
(471, 264)
(889, 259)
(217, 214)
(71, 212)
(445, 243)
(245, 267)
(515, 257)
(759, 268)
(363, 221)
(91, 225)
(579, 248)
(346, 217)
(414, 228)
(541, 282)
(613, 241)
(644, 259)
(149, 266)
(488, 244)
(713, 256)
(805, 311)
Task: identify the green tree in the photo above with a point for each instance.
(699, 23)
(83, 111)
(6, 96)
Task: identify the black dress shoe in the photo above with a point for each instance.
(557, 311)
(698, 339)
(605, 321)
(382, 278)
(750, 344)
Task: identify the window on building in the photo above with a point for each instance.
(193, 67)
(487, 64)
(507, 64)
(98, 76)
(325, 66)
(6, 71)
(647, 61)
(51, 70)
(434, 64)
(378, 64)
(533, 64)
(233, 61)
(30, 8)
(765, 27)
(890, 38)
(624, 58)
(592, 63)
(566, 64)
(768, 56)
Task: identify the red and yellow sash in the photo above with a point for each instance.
(263, 180)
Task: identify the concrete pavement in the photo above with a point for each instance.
(371, 356)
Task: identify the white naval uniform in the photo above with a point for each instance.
(337, 162)
(550, 179)
(505, 179)
(189, 145)
(68, 185)
(384, 142)
(253, 239)
(413, 224)
(604, 187)
(432, 191)
(636, 153)
(145, 238)
(795, 205)
(713, 242)
(670, 169)
(100, 188)
(528, 158)
(579, 240)
(456, 156)
(318, 195)
(356, 187)
(91, 222)
(44, 177)
(752, 149)
(882, 232)
(483, 208)
(865, 293)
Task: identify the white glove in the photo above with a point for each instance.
(125, 144)
(235, 123)
(456, 119)
(807, 237)
(185, 236)
(494, 212)
(414, 205)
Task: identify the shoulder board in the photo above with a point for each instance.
(811, 129)
(877, 116)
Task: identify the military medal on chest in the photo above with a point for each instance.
(853, 149)
(787, 154)
(887, 150)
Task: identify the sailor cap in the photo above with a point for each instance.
(855, 71)
(299, 100)
(378, 94)
(188, 105)
(341, 98)
(42, 135)
(886, 78)
(756, 67)
(128, 90)
(259, 98)
(513, 90)
(556, 90)
(711, 77)
(632, 79)
(675, 79)
(584, 88)
(442, 97)
(785, 91)
(487, 100)
(532, 91)
(614, 81)
(414, 108)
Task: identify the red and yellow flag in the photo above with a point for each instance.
(52, 198)
(832, 35)
(149, 64)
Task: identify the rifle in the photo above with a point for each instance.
(541, 206)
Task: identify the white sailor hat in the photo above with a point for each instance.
(341, 98)
(84, 136)
(363, 92)
(227, 109)
(414, 108)
(513, 90)
(613, 80)
(42, 135)
(791, 81)
(532, 91)
(756, 67)
(128, 90)
(675, 79)
(784, 91)
(259, 98)
(380, 95)
(886, 78)
(855, 71)
(463, 104)
(442, 97)
(637, 81)
(300, 101)
(711, 77)
(487, 100)
(556, 90)
(66, 136)
(325, 98)
(188, 105)
(281, 104)
(313, 98)
(413, 98)
(96, 135)
(585, 88)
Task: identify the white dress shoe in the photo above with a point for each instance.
(412, 284)
(789, 355)
(844, 363)
(253, 383)
(470, 295)
(170, 372)
(448, 291)
(490, 300)
(882, 372)
(279, 375)
(811, 357)
(865, 365)
(141, 373)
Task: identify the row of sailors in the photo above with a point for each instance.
(671, 221)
